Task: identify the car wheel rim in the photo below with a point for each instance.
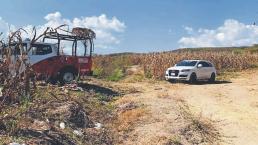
(68, 77)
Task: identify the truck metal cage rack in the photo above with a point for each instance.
(84, 35)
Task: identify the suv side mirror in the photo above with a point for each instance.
(199, 65)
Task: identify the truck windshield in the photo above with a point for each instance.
(186, 63)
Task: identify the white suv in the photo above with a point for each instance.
(192, 70)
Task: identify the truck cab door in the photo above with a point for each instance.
(40, 52)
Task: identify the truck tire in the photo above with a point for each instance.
(212, 78)
(66, 76)
(193, 78)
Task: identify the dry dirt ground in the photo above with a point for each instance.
(233, 105)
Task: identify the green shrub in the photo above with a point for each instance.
(116, 75)
(111, 67)
(98, 72)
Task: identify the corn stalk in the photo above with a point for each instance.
(15, 71)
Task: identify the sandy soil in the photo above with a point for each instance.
(234, 104)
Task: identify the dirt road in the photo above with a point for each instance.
(234, 104)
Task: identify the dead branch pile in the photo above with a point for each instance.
(84, 32)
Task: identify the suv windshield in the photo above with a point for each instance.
(186, 63)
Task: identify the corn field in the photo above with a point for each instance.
(155, 64)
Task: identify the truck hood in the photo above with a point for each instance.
(181, 67)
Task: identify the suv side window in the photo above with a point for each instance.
(40, 49)
(210, 64)
(204, 64)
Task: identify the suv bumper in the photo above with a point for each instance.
(180, 76)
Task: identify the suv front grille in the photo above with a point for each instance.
(173, 73)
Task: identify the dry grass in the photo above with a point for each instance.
(134, 78)
(126, 119)
(124, 100)
(164, 95)
(174, 140)
(198, 129)
(254, 104)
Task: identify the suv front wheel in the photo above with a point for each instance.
(193, 78)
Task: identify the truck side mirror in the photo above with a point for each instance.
(199, 65)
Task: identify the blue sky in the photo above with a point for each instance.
(146, 25)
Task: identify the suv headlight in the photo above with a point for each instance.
(185, 70)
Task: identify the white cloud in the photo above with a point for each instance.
(106, 29)
(189, 30)
(53, 16)
(231, 33)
